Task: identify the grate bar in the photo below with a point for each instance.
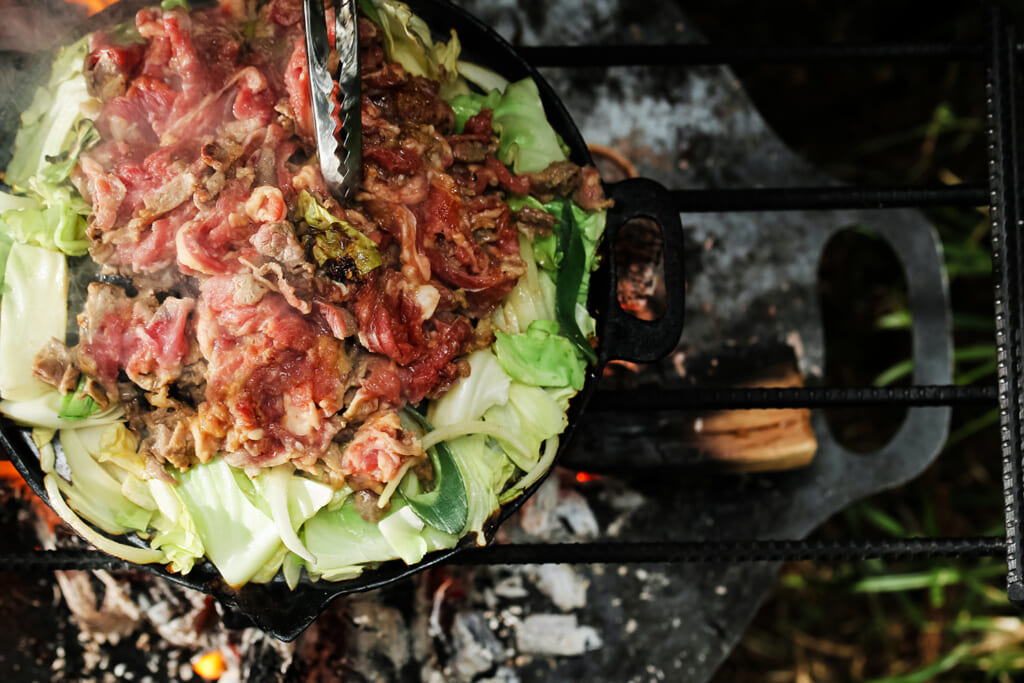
(60, 560)
(746, 55)
(611, 553)
(705, 398)
(732, 551)
(1003, 90)
(822, 198)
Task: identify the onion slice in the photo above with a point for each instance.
(278, 479)
(468, 427)
(130, 553)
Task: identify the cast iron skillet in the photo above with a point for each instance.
(286, 613)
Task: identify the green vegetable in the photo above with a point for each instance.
(540, 357)
(48, 211)
(482, 77)
(370, 10)
(407, 40)
(241, 521)
(291, 500)
(48, 126)
(57, 225)
(344, 543)
(110, 488)
(526, 141)
(59, 166)
(239, 538)
(33, 310)
(76, 405)
(485, 471)
(570, 280)
(486, 385)
(96, 492)
(533, 415)
(468, 105)
(403, 531)
(545, 247)
(44, 412)
(444, 507)
(344, 252)
(168, 5)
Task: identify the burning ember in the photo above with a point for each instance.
(213, 665)
(11, 480)
(92, 6)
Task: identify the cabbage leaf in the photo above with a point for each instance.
(109, 482)
(526, 141)
(533, 416)
(540, 357)
(408, 41)
(533, 297)
(49, 126)
(44, 411)
(486, 385)
(33, 309)
(344, 543)
(485, 470)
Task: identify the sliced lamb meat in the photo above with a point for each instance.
(110, 64)
(380, 448)
(139, 335)
(206, 143)
(533, 222)
(281, 265)
(273, 382)
(560, 178)
(55, 365)
(95, 391)
(590, 195)
(472, 148)
(169, 426)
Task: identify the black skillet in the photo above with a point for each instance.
(286, 613)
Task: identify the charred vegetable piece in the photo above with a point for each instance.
(445, 507)
(342, 251)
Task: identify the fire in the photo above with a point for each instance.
(93, 6)
(210, 666)
(11, 478)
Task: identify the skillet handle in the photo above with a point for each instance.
(623, 336)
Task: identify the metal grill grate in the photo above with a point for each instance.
(1002, 196)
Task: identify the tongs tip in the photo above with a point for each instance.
(340, 164)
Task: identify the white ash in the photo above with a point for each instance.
(383, 631)
(503, 674)
(109, 618)
(562, 583)
(556, 635)
(511, 587)
(555, 513)
(477, 649)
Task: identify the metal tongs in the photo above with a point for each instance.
(336, 105)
